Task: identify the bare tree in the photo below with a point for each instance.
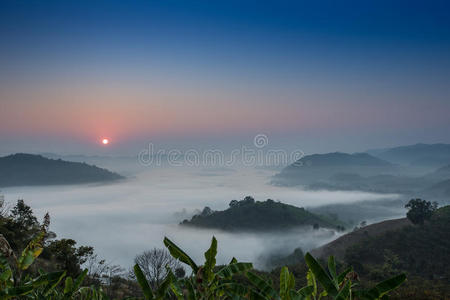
(153, 264)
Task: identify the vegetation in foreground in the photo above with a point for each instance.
(205, 282)
(24, 276)
(39, 271)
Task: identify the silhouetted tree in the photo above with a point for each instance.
(22, 214)
(67, 256)
(420, 210)
(234, 203)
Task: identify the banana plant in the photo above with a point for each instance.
(12, 282)
(262, 289)
(341, 286)
(208, 282)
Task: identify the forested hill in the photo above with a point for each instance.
(251, 215)
(29, 169)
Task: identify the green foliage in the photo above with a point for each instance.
(206, 282)
(420, 210)
(235, 280)
(209, 282)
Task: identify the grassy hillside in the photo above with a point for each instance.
(251, 215)
(420, 251)
(339, 246)
(28, 169)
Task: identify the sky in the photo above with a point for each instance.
(314, 75)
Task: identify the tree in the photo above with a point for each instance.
(420, 210)
(22, 214)
(153, 264)
(234, 203)
(68, 257)
(20, 226)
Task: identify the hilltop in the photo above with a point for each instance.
(251, 215)
(28, 169)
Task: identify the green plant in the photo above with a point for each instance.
(209, 282)
(342, 286)
(13, 282)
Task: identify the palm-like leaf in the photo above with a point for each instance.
(179, 254)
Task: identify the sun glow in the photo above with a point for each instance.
(105, 141)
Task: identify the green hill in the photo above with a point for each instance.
(29, 169)
(251, 215)
(390, 247)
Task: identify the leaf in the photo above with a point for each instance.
(31, 252)
(312, 282)
(6, 275)
(79, 280)
(284, 282)
(263, 287)
(146, 289)
(234, 288)
(68, 287)
(344, 293)
(19, 291)
(164, 287)
(179, 254)
(321, 275)
(306, 291)
(332, 269)
(341, 276)
(210, 256)
(176, 289)
(232, 269)
(191, 291)
(384, 287)
(53, 280)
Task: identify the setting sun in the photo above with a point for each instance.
(105, 141)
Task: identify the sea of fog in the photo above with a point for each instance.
(125, 218)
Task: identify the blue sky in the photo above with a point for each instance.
(321, 75)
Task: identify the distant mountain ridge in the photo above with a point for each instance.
(23, 169)
(419, 154)
(320, 168)
(340, 159)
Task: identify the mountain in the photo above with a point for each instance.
(251, 215)
(417, 155)
(339, 159)
(28, 169)
(396, 246)
(440, 174)
(321, 168)
(439, 190)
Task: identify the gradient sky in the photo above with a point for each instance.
(315, 75)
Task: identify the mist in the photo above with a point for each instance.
(123, 219)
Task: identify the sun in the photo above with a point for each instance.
(105, 141)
